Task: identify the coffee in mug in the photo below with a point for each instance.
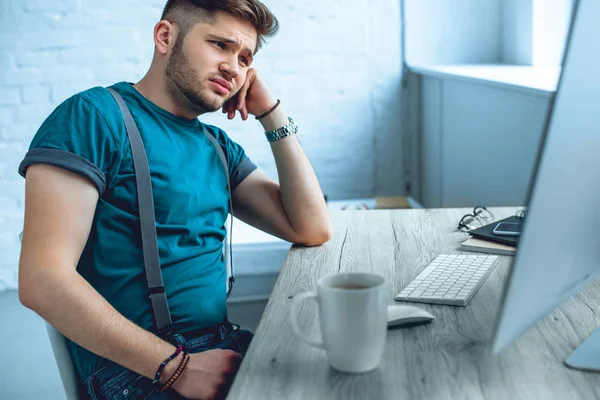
(351, 287)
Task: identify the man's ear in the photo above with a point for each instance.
(165, 35)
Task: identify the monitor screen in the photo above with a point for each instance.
(559, 248)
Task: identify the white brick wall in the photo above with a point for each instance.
(335, 65)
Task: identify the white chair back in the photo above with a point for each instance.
(66, 369)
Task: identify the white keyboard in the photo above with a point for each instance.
(449, 279)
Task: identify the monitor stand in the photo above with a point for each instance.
(587, 355)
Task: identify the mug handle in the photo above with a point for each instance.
(294, 312)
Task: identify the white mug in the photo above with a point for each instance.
(353, 319)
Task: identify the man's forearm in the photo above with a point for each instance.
(301, 194)
(78, 311)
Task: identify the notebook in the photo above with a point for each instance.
(485, 232)
(485, 246)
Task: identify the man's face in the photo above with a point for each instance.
(209, 65)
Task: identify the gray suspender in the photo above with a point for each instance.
(156, 289)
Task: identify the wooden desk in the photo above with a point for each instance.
(447, 359)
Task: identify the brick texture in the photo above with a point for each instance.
(335, 65)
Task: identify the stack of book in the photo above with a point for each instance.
(487, 246)
(483, 240)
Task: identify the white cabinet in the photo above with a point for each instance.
(480, 135)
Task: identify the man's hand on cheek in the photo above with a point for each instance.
(253, 98)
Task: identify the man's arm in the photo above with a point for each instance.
(294, 209)
(59, 210)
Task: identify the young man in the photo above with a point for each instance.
(81, 265)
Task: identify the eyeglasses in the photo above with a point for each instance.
(521, 213)
(478, 218)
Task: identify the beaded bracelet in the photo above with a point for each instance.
(164, 363)
(270, 111)
(177, 374)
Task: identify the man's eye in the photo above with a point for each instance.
(220, 44)
(244, 61)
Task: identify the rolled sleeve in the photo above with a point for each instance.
(69, 161)
(241, 172)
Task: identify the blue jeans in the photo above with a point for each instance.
(115, 382)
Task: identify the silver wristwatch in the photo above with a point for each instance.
(280, 133)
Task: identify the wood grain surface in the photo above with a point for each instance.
(449, 358)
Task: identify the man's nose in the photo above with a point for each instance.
(231, 68)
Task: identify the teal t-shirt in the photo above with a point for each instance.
(86, 134)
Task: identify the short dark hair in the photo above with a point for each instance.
(187, 13)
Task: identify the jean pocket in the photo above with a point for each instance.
(243, 338)
(133, 387)
(239, 340)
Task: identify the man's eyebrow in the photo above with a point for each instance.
(232, 41)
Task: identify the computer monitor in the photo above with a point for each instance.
(559, 249)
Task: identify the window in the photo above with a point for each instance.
(535, 31)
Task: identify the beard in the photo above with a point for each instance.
(185, 85)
